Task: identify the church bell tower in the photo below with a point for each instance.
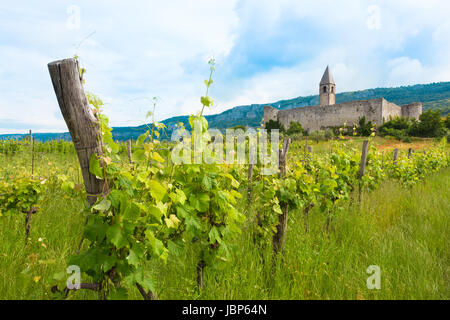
(327, 89)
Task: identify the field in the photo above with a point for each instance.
(402, 228)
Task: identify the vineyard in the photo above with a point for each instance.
(139, 225)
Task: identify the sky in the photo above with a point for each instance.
(265, 51)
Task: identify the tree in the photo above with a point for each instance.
(430, 125)
(272, 124)
(295, 128)
(364, 128)
(447, 122)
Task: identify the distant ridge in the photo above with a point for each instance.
(433, 96)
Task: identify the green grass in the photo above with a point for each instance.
(406, 232)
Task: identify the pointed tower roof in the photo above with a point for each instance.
(327, 78)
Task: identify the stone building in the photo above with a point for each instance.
(329, 114)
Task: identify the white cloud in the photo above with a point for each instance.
(142, 49)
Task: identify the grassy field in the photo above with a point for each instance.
(406, 232)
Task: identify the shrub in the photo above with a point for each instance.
(296, 137)
(430, 125)
(295, 128)
(364, 128)
(318, 135)
(447, 122)
(396, 123)
(399, 134)
(272, 124)
(329, 134)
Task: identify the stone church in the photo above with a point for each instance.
(329, 114)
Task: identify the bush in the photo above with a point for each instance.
(318, 135)
(272, 124)
(447, 122)
(329, 134)
(399, 134)
(364, 128)
(295, 128)
(396, 123)
(430, 125)
(296, 137)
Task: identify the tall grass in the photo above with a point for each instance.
(406, 232)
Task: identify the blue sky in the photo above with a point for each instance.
(265, 51)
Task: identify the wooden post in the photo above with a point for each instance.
(306, 143)
(310, 151)
(409, 153)
(83, 126)
(362, 166)
(279, 238)
(395, 156)
(250, 176)
(129, 150)
(32, 154)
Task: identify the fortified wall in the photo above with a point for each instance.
(328, 114)
(315, 118)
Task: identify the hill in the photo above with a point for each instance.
(433, 96)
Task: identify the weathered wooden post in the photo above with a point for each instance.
(250, 176)
(129, 151)
(83, 126)
(279, 238)
(395, 156)
(409, 153)
(362, 166)
(32, 154)
(310, 151)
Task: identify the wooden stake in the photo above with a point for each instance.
(129, 150)
(409, 153)
(83, 126)
(279, 238)
(362, 166)
(395, 156)
(32, 154)
(310, 151)
(250, 176)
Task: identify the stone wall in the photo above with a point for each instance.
(321, 117)
(313, 118)
(270, 113)
(390, 110)
(412, 110)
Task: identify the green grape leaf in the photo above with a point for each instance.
(103, 205)
(115, 236)
(156, 190)
(94, 166)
